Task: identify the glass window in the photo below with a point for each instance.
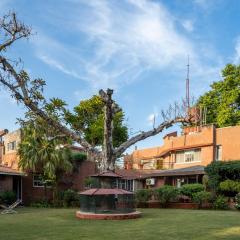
(11, 146)
(188, 156)
(38, 181)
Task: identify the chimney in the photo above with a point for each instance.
(135, 147)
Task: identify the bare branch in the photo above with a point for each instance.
(12, 30)
(23, 97)
(144, 135)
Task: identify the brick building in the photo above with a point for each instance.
(29, 186)
(182, 158)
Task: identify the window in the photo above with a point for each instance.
(188, 156)
(218, 155)
(11, 146)
(125, 184)
(38, 181)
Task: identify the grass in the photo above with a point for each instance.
(166, 224)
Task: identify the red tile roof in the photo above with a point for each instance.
(107, 174)
(9, 171)
(132, 174)
(105, 191)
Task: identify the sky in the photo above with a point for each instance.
(137, 47)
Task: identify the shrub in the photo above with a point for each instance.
(219, 171)
(237, 200)
(229, 187)
(78, 156)
(220, 203)
(70, 198)
(40, 204)
(7, 197)
(143, 195)
(201, 197)
(190, 189)
(166, 193)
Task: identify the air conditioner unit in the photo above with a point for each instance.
(150, 181)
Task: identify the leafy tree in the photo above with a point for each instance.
(88, 117)
(223, 100)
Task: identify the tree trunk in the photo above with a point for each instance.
(108, 161)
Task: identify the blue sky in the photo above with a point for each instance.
(137, 47)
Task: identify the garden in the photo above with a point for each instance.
(220, 189)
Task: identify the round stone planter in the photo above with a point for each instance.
(106, 216)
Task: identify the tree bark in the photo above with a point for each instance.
(108, 161)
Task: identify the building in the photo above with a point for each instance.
(182, 158)
(29, 186)
(10, 176)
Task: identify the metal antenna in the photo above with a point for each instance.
(187, 86)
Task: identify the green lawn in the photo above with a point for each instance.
(156, 224)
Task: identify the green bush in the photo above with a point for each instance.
(78, 156)
(70, 198)
(237, 201)
(219, 171)
(190, 189)
(220, 203)
(40, 204)
(143, 195)
(166, 193)
(229, 187)
(201, 197)
(7, 197)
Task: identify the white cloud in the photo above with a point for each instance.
(188, 25)
(202, 3)
(122, 41)
(236, 59)
(54, 63)
(152, 118)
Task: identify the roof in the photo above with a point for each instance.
(142, 174)
(178, 172)
(105, 191)
(132, 174)
(9, 171)
(107, 174)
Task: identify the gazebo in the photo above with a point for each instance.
(107, 201)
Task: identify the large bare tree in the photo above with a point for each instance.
(30, 93)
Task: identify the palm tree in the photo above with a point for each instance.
(40, 153)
